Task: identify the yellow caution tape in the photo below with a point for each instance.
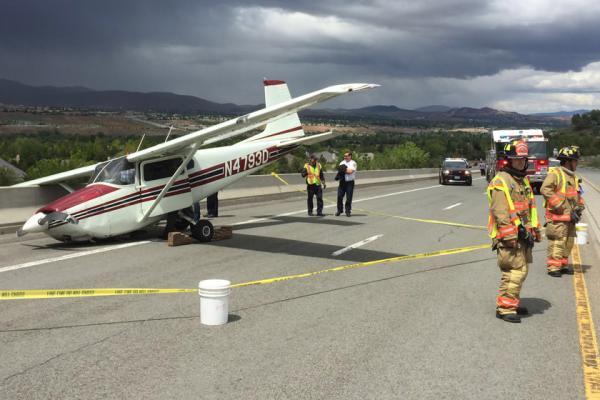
(72, 293)
(587, 332)
(429, 221)
(58, 293)
(276, 176)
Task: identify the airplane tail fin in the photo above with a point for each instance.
(288, 127)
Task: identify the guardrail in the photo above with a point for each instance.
(17, 204)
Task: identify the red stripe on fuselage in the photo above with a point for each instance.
(88, 193)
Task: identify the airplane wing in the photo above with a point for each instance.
(222, 131)
(247, 122)
(60, 177)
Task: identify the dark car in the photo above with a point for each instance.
(455, 170)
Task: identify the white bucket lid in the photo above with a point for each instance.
(214, 288)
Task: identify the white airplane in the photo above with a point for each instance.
(128, 193)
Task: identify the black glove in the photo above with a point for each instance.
(526, 236)
(575, 217)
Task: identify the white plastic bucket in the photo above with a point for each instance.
(214, 301)
(582, 233)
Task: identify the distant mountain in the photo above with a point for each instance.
(16, 93)
(461, 115)
(379, 109)
(433, 109)
(12, 92)
(561, 113)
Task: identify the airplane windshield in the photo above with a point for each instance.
(118, 171)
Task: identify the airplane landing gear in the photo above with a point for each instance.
(203, 231)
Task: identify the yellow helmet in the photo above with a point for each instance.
(569, 153)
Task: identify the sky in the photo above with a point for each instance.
(525, 56)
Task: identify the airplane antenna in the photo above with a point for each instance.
(140, 145)
(168, 134)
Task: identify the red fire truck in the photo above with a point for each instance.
(538, 154)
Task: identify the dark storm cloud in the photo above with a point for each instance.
(213, 48)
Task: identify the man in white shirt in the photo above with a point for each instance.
(346, 187)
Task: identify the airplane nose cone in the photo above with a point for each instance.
(33, 225)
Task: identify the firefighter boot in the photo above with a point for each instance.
(567, 271)
(514, 318)
(555, 274)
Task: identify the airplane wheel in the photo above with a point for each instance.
(203, 231)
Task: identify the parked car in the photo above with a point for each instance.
(455, 170)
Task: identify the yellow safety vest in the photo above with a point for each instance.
(561, 195)
(493, 230)
(313, 174)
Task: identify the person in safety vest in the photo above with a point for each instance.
(514, 227)
(313, 172)
(564, 205)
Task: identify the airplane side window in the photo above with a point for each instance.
(161, 169)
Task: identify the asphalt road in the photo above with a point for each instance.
(416, 329)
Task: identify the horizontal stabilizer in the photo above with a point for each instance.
(306, 140)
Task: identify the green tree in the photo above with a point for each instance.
(8, 177)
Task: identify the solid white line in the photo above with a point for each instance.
(73, 255)
(251, 221)
(356, 245)
(452, 206)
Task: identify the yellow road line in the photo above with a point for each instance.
(587, 332)
(591, 184)
(429, 221)
(366, 264)
(61, 293)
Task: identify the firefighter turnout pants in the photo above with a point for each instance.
(561, 237)
(513, 266)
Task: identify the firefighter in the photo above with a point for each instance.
(564, 205)
(313, 172)
(513, 226)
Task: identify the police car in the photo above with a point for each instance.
(455, 170)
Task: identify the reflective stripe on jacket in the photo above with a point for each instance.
(313, 174)
(525, 207)
(561, 195)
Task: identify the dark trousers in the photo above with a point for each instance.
(314, 190)
(345, 188)
(212, 205)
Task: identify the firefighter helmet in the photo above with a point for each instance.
(569, 153)
(516, 149)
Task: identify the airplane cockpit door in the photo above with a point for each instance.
(154, 175)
